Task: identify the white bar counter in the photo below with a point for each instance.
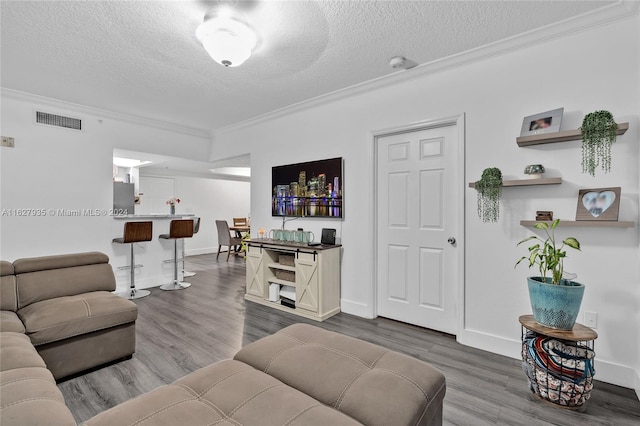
(153, 216)
(151, 254)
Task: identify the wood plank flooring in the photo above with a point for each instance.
(181, 331)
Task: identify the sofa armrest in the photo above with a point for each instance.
(29, 392)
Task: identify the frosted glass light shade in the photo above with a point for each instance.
(227, 40)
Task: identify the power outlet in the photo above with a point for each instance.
(591, 319)
(8, 142)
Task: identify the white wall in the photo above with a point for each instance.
(211, 200)
(637, 316)
(52, 168)
(583, 72)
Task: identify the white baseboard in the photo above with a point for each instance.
(147, 282)
(195, 252)
(607, 372)
(356, 308)
(490, 343)
(616, 374)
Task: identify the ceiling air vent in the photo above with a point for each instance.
(58, 120)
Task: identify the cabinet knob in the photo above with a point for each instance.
(451, 240)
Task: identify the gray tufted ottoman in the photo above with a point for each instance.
(302, 375)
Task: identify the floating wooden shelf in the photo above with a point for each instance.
(281, 266)
(283, 282)
(527, 182)
(591, 223)
(563, 136)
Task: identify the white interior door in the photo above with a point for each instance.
(156, 192)
(418, 213)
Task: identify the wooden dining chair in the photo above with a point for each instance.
(239, 221)
(225, 238)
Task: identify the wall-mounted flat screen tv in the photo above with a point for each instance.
(312, 189)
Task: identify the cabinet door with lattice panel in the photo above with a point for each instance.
(255, 275)
(307, 282)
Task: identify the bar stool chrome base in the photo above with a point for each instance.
(134, 293)
(134, 232)
(178, 229)
(176, 285)
(196, 228)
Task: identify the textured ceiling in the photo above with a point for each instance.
(142, 57)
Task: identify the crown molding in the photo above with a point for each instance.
(84, 109)
(619, 11)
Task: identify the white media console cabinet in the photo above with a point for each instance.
(294, 277)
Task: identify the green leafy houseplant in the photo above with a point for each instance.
(489, 189)
(546, 253)
(598, 133)
(243, 245)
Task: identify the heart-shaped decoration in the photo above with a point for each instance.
(597, 203)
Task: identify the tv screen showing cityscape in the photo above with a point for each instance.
(312, 189)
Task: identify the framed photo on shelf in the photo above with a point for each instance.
(598, 204)
(544, 122)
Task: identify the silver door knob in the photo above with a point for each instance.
(451, 240)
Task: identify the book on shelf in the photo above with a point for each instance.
(285, 301)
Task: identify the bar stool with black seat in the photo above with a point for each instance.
(178, 229)
(134, 232)
(196, 228)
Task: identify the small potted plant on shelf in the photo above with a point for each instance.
(555, 301)
(489, 189)
(598, 133)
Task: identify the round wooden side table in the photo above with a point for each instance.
(558, 363)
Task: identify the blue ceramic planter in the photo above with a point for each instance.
(555, 306)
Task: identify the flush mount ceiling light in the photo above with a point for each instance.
(226, 37)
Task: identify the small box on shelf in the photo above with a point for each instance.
(544, 215)
(274, 292)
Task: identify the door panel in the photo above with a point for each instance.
(398, 200)
(431, 198)
(398, 286)
(255, 284)
(307, 282)
(431, 285)
(417, 211)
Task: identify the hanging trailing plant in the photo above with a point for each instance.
(598, 133)
(489, 189)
